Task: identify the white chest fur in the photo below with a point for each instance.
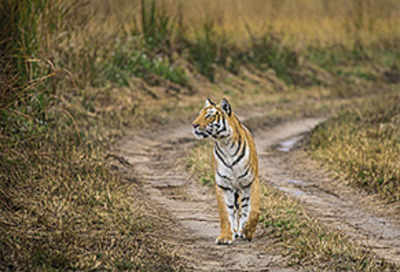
(233, 164)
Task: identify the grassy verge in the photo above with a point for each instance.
(362, 145)
(304, 240)
(61, 206)
(308, 243)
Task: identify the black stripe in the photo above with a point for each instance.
(241, 155)
(245, 199)
(201, 133)
(245, 205)
(245, 173)
(219, 156)
(224, 188)
(248, 185)
(237, 200)
(219, 149)
(223, 127)
(223, 176)
(230, 207)
(239, 145)
(233, 144)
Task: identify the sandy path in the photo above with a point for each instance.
(154, 157)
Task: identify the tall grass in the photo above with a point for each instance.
(211, 34)
(20, 49)
(270, 34)
(61, 207)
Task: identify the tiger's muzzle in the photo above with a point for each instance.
(198, 132)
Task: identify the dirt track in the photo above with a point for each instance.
(192, 207)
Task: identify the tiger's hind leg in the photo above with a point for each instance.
(227, 213)
(250, 211)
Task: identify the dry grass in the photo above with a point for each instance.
(343, 30)
(303, 239)
(62, 208)
(362, 145)
(303, 23)
(198, 162)
(309, 243)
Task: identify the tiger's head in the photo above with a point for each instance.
(213, 120)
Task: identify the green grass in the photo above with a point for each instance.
(157, 27)
(210, 49)
(356, 62)
(268, 52)
(128, 63)
(144, 52)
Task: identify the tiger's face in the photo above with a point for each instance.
(213, 120)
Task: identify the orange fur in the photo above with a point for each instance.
(238, 130)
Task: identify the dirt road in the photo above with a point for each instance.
(154, 157)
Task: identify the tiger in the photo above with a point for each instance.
(235, 166)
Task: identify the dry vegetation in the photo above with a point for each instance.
(309, 243)
(76, 74)
(303, 239)
(362, 145)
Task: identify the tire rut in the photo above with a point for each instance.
(155, 158)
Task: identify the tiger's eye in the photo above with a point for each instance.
(210, 118)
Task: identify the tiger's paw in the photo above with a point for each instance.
(247, 235)
(224, 240)
(244, 235)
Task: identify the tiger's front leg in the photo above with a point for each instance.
(250, 211)
(227, 214)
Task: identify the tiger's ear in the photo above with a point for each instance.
(226, 106)
(209, 103)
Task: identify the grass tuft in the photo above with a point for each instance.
(127, 63)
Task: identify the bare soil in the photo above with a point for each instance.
(155, 159)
